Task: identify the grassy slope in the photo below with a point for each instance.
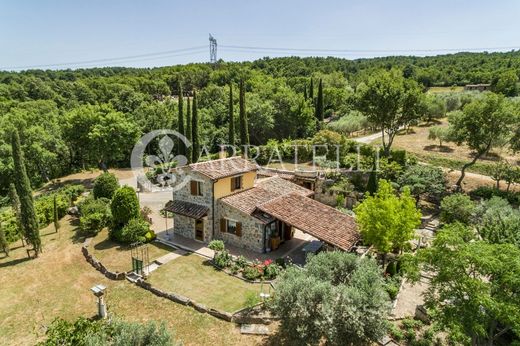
(57, 284)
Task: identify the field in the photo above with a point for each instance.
(193, 277)
(449, 155)
(57, 284)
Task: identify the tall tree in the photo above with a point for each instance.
(319, 110)
(195, 129)
(15, 204)
(474, 288)
(390, 102)
(180, 123)
(55, 214)
(311, 91)
(483, 124)
(4, 245)
(231, 134)
(305, 96)
(244, 132)
(189, 134)
(23, 186)
(386, 220)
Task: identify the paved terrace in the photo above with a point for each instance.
(291, 248)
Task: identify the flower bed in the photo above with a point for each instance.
(240, 267)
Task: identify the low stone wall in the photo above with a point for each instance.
(98, 265)
(177, 298)
(246, 315)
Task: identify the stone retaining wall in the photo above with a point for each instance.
(99, 266)
(246, 315)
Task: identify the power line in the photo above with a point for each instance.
(140, 57)
(249, 49)
(307, 50)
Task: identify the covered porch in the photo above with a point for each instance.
(293, 212)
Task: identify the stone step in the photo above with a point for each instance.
(255, 329)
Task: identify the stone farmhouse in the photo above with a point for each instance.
(225, 199)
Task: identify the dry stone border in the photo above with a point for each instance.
(247, 315)
(98, 265)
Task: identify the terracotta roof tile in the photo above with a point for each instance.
(195, 211)
(265, 190)
(221, 168)
(314, 218)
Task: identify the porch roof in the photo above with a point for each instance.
(315, 218)
(195, 211)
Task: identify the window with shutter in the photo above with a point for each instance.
(196, 188)
(239, 229)
(236, 183)
(223, 225)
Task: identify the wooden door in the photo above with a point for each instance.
(199, 230)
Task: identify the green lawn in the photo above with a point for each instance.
(57, 284)
(193, 277)
(117, 257)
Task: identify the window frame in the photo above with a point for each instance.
(198, 188)
(240, 180)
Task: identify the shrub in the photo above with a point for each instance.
(487, 192)
(241, 261)
(392, 285)
(235, 268)
(457, 207)
(105, 185)
(73, 192)
(396, 333)
(252, 272)
(94, 215)
(150, 236)
(134, 231)
(124, 207)
(216, 245)
(222, 259)
(44, 207)
(271, 271)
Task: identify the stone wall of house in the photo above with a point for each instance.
(184, 193)
(252, 229)
(185, 226)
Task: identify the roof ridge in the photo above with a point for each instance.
(220, 159)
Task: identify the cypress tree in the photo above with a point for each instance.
(23, 186)
(231, 135)
(244, 134)
(311, 91)
(181, 148)
(319, 113)
(372, 181)
(195, 129)
(55, 214)
(4, 245)
(305, 93)
(189, 149)
(15, 204)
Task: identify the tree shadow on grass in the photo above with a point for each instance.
(431, 123)
(108, 244)
(14, 262)
(435, 147)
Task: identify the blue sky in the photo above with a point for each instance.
(51, 32)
